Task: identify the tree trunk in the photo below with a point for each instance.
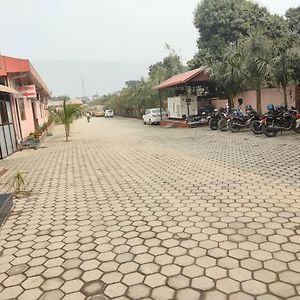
(258, 100)
(284, 95)
(230, 102)
(67, 129)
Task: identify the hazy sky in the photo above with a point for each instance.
(70, 39)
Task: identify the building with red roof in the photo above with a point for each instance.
(23, 102)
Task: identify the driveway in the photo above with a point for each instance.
(127, 211)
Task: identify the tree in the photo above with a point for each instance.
(258, 58)
(282, 71)
(229, 73)
(293, 19)
(61, 98)
(66, 116)
(221, 22)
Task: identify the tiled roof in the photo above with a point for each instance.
(200, 74)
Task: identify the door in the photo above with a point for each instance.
(35, 119)
(8, 143)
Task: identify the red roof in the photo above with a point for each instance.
(200, 74)
(9, 65)
(13, 65)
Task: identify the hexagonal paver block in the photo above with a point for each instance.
(203, 283)
(32, 294)
(32, 282)
(72, 286)
(178, 282)
(90, 265)
(149, 268)
(184, 260)
(133, 278)
(192, 271)
(170, 270)
(53, 272)
(188, 294)
(93, 288)
(264, 276)
(290, 277)
(241, 296)
(215, 272)
(275, 265)
(206, 261)
(254, 287)
(112, 277)
(228, 263)
(115, 290)
(227, 285)
(11, 292)
(162, 293)
(282, 289)
(14, 280)
(91, 275)
(74, 296)
(155, 280)
(52, 284)
(240, 274)
(251, 264)
(139, 291)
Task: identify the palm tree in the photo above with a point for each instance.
(67, 115)
(229, 73)
(258, 59)
(282, 72)
(286, 65)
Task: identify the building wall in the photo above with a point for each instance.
(27, 125)
(269, 95)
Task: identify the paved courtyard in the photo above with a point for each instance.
(126, 211)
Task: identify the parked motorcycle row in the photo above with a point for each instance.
(276, 119)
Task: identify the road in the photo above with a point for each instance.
(127, 211)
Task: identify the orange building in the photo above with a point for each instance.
(23, 102)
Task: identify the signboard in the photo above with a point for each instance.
(27, 91)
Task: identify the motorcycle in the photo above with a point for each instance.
(281, 119)
(215, 117)
(195, 120)
(239, 120)
(223, 123)
(256, 125)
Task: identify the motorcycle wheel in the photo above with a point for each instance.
(268, 133)
(213, 124)
(297, 129)
(255, 127)
(223, 124)
(234, 128)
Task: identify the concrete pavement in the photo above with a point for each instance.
(126, 211)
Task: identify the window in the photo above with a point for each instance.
(22, 108)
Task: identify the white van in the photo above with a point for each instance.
(109, 113)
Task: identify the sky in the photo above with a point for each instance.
(100, 42)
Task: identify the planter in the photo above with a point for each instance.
(6, 204)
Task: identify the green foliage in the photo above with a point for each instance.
(61, 98)
(66, 115)
(138, 95)
(221, 22)
(18, 183)
(230, 73)
(293, 19)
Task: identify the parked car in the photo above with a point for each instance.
(109, 113)
(99, 113)
(152, 116)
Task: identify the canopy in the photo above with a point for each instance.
(197, 75)
(7, 89)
